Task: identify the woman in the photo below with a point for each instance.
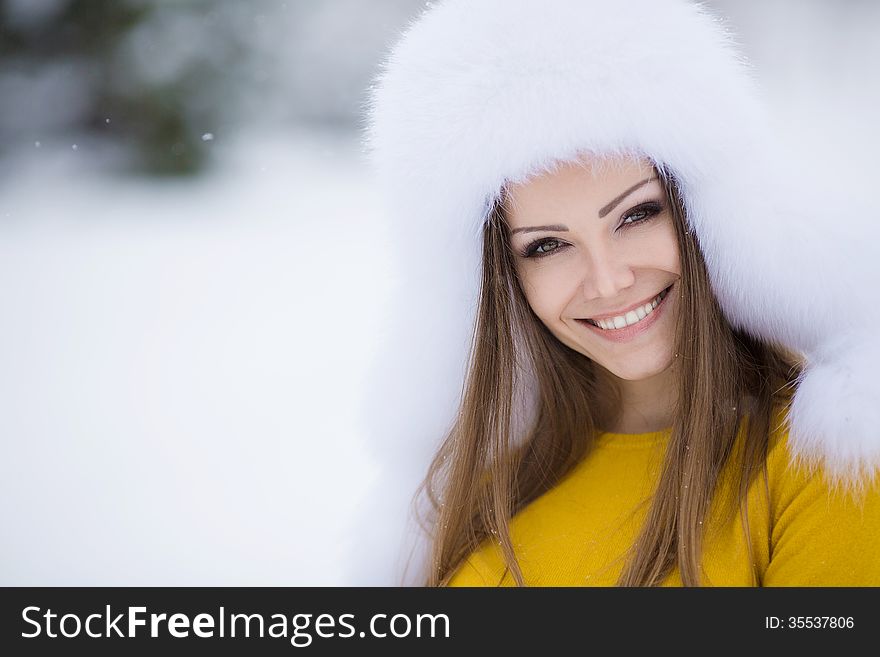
(656, 353)
(616, 253)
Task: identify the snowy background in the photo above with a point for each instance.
(192, 271)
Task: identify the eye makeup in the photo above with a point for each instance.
(643, 213)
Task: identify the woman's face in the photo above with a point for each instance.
(600, 245)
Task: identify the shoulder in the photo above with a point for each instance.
(484, 567)
(792, 474)
(821, 533)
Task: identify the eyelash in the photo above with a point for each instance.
(652, 209)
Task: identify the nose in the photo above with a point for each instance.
(605, 274)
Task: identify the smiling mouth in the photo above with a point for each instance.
(631, 317)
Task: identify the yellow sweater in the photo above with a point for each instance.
(576, 533)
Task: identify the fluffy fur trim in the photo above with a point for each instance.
(477, 93)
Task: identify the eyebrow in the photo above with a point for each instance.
(602, 211)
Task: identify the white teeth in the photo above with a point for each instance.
(632, 317)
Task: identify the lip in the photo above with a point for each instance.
(629, 332)
(625, 310)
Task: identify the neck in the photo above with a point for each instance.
(644, 406)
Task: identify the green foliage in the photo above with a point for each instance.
(159, 121)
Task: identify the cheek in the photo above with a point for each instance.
(664, 251)
(547, 292)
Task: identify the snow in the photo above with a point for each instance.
(180, 364)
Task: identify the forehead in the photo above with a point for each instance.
(585, 182)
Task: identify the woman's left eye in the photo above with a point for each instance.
(641, 213)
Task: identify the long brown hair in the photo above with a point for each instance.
(481, 476)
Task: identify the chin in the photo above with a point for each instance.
(639, 370)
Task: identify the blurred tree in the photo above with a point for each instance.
(157, 81)
(143, 74)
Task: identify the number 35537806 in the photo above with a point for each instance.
(808, 622)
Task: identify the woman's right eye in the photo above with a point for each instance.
(533, 250)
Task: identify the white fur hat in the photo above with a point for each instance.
(481, 92)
